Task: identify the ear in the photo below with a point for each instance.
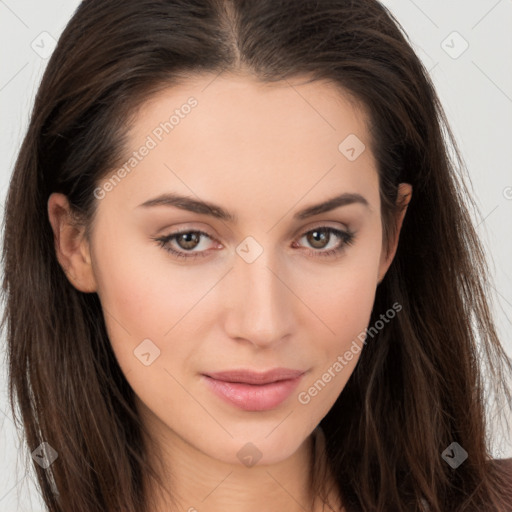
(71, 246)
(403, 198)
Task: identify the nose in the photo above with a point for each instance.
(260, 303)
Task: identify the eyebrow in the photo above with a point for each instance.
(206, 208)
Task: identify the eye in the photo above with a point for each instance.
(318, 237)
(188, 240)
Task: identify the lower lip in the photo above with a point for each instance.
(252, 397)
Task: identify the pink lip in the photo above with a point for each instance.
(254, 391)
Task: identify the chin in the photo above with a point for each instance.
(261, 446)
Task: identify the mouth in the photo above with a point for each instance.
(254, 391)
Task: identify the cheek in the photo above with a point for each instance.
(142, 297)
(342, 295)
(343, 299)
(336, 353)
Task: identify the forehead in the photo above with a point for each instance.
(233, 134)
(229, 103)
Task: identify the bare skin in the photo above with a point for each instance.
(262, 152)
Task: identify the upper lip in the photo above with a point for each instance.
(254, 377)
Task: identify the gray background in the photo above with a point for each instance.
(475, 86)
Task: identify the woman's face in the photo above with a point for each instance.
(269, 275)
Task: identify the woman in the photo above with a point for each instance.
(240, 272)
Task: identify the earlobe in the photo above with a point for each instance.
(71, 246)
(403, 198)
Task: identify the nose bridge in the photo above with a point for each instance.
(261, 307)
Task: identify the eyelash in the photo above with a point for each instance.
(347, 238)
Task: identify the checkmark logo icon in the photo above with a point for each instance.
(454, 45)
(43, 45)
(454, 455)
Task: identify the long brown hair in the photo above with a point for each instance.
(418, 385)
